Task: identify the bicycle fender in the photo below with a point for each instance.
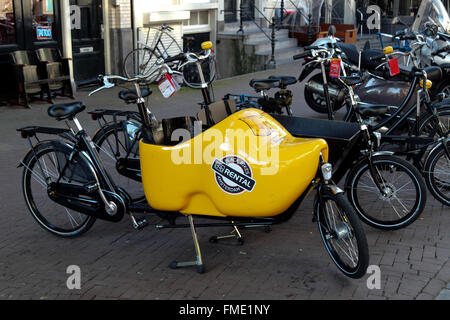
(30, 152)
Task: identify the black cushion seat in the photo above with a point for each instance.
(66, 110)
(351, 51)
(130, 96)
(264, 84)
(372, 110)
(434, 73)
(284, 80)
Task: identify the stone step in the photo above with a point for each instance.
(266, 45)
(282, 54)
(288, 60)
(255, 35)
(234, 26)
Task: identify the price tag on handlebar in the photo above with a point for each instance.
(168, 86)
(394, 69)
(335, 68)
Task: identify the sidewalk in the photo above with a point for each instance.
(118, 262)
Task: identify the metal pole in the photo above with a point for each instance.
(66, 32)
(106, 37)
(241, 17)
(272, 61)
(309, 35)
(282, 12)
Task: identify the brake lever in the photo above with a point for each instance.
(106, 85)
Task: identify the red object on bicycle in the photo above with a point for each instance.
(393, 67)
(335, 68)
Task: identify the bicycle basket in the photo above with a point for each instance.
(191, 75)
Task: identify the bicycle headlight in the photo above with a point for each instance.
(327, 171)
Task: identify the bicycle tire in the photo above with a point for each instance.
(29, 162)
(146, 57)
(318, 104)
(348, 225)
(425, 123)
(439, 188)
(377, 217)
(132, 187)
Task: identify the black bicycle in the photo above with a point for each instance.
(418, 132)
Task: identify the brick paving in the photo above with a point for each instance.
(118, 262)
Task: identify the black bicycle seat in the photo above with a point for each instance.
(372, 110)
(264, 84)
(66, 110)
(284, 80)
(434, 73)
(130, 95)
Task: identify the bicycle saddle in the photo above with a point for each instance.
(284, 80)
(434, 73)
(66, 110)
(350, 51)
(130, 96)
(264, 84)
(371, 110)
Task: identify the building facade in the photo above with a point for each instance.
(98, 34)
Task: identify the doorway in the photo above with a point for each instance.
(26, 25)
(87, 41)
(248, 10)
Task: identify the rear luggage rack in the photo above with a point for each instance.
(100, 113)
(30, 131)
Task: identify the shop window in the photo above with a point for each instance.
(43, 15)
(7, 22)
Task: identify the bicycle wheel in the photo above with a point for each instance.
(342, 235)
(427, 125)
(401, 200)
(437, 174)
(43, 167)
(317, 101)
(139, 61)
(116, 142)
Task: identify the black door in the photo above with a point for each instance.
(248, 10)
(230, 11)
(87, 42)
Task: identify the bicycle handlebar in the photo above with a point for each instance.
(312, 51)
(160, 64)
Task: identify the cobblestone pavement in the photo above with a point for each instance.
(118, 262)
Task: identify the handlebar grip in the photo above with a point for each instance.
(313, 48)
(302, 55)
(410, 36)
(180, 56)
